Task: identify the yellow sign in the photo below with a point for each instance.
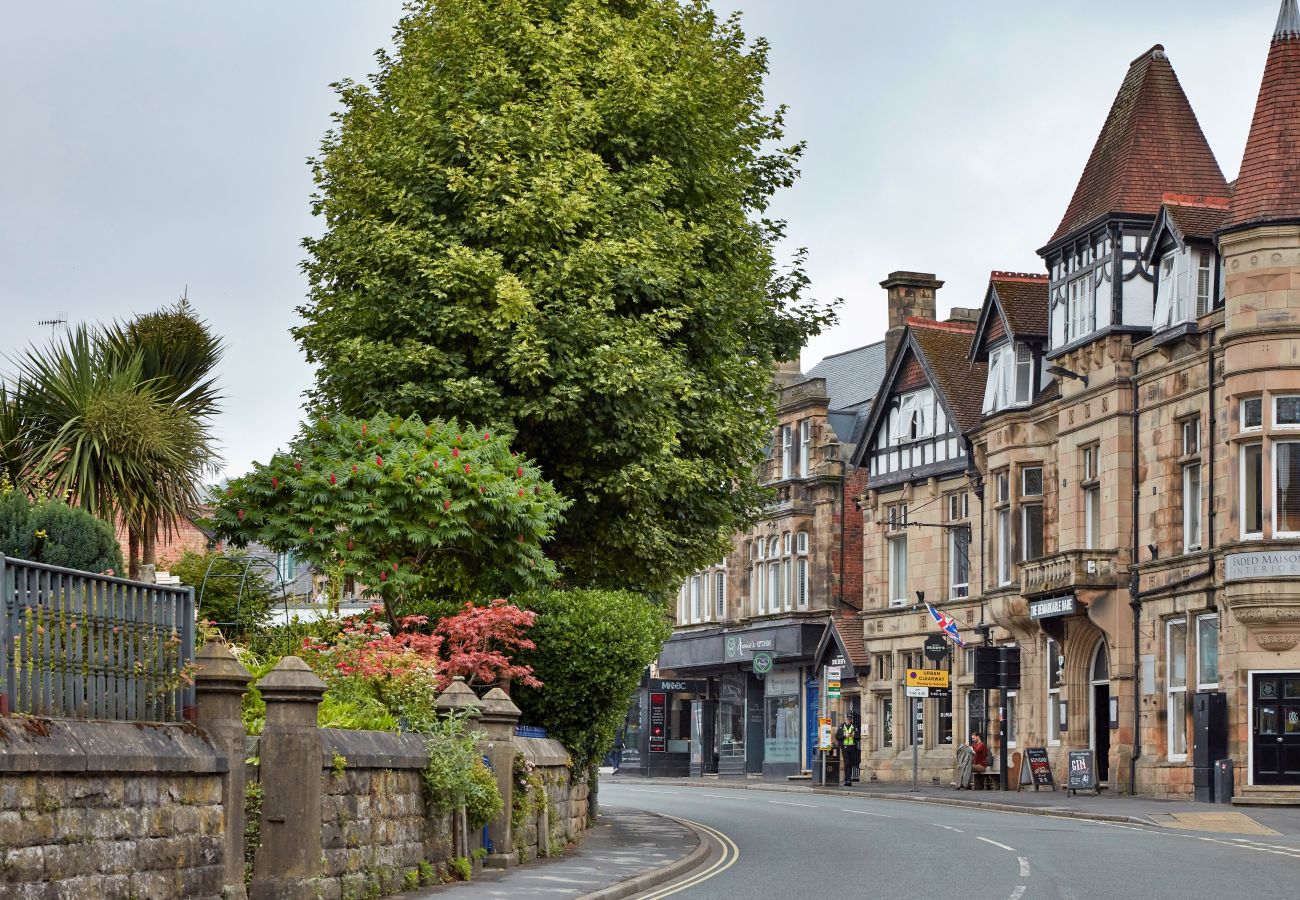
(935, 678)
(824, 734)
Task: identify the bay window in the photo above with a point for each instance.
(1252, 491)
(1031, 513)
(1286, 488)
(1010, 380)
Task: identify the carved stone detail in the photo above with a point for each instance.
(1266, 615)
(1276, 642)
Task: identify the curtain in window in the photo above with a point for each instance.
(1288, 487)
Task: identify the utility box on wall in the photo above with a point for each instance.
(1209, 741)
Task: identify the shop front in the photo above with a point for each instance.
(664, 721)
(750, 716)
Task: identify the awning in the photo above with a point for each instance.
(788, 642)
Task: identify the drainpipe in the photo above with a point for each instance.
(1213, 426)
(1135, 603)
(844, 517)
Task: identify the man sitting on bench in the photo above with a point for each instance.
(980, 759)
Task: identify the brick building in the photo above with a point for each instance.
(788, 593)
(1133, 469)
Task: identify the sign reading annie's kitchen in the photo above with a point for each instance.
(743, 646)
(1261, 564)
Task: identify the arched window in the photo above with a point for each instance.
(1100, 666)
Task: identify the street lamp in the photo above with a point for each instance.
(1062, 372)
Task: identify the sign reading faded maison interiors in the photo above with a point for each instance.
(1052, 606)
(1261, 564)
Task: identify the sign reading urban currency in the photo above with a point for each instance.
(1052, 606)
(914, 691)
(762, 663)
(927, 678)
(825, 734)
(658, 721)
(1083, 773)
(1261, 564)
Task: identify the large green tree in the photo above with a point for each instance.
(553, 213)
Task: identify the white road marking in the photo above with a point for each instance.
(948, 827)
(648, 791)
(1234, 843)
(996, 844)
(724, 796)
(788, 803)
(1017, 893)
(730, 853)
(1024, 867)
(862, 812)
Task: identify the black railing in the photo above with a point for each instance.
(74, 644)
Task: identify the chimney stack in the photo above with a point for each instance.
(908, 294)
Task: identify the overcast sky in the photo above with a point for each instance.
(151, 145)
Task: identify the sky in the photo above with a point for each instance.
(154, 147)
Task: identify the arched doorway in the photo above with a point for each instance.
(1099, 710)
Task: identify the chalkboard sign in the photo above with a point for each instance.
(1038, 767)
(1083, 771)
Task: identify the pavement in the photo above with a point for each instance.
(629, 850)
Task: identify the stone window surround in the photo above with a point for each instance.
(1268, 435)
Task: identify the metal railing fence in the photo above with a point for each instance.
(78, 645)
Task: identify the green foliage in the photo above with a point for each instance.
(338, 765)
(428, 874)
(592, 647)
(253, 797)
(54, 533)
(456, 775)
(460, 868)
(411, 879)
(408, 508)
(554, 214)
(238, 603)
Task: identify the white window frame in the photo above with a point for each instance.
(1192, 507)
(1171, 690)
(1201, 683)
(805, 448)
(1024, 374)
(1241, 472)
(1012, 720)
(801, 582)
(897, 559)
(1242, 414)
(787, 600)
(1204, 273)
(720, 595)
(958, 590)
(1278, 532)
(1050, 654)
(1026, 510)
(695, 599)
(801, 543)
(787, 451)
(1003, 519)
(1278, 424)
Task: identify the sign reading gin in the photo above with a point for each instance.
(1052, 606)
(1261, 564)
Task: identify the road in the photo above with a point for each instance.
(811, 845)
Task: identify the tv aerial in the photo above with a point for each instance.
(55, 321)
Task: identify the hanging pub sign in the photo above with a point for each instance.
(936, 646)
(658, 722)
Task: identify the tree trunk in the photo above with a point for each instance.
(149, 554)
(132, 552)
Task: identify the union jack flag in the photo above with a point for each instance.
(947, 624)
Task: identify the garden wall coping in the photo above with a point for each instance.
(373, 749)
(33, 744)
(543, 751)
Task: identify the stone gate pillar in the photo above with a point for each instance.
(500, 715)
(219, 685)
(292, 764)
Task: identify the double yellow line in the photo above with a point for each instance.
(730, 853)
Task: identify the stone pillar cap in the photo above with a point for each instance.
(291, 680)
(458, 695)
(497, 704)
(217, 669)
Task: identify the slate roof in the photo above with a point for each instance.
(849, 627)
(1023, 298)
(1151, 143)
(1268, 188)
(945, 346)
(852, 377)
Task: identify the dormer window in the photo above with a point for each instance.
(1184, 290)
(1011, 377)
(914, 418)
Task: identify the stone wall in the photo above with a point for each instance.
(547, 827)
(109, 810)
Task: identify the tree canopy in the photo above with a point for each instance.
(554, 214)
(407, 509)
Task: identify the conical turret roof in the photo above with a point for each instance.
(1268, 188)
(1151, 144)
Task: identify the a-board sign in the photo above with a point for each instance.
(658, 722)
(926, 678)
(1037, 769)
(1083, 771)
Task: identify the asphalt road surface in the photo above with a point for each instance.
(836, 848)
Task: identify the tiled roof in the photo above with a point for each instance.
(1151, 143)
(849, 627)
(945, 346)
(1268, 188)
(1023, 298)
(852, 377)
(1198, 220)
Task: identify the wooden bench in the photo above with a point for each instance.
(987, 781)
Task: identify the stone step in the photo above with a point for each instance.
(1270, 795)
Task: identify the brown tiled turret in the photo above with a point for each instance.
(1269, 186)
(1151, 143)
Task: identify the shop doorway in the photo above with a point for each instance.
(1275, 728)
(1099, 711)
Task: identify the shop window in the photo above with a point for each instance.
(731, 718)
(1252, 491)
(1286, 488)
(943, 706)
(976, 719)
(1207, 652)
(1011, 720)
(1176, 687)
(782, 726)
(1052, 660)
